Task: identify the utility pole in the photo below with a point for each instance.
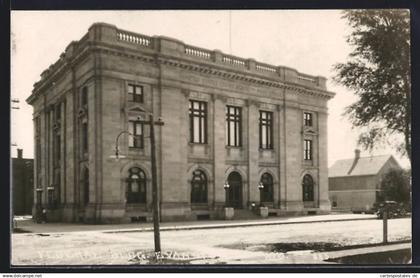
(156, 228)
(156, 220)
(385, 224)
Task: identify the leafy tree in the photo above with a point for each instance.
(378, 72)
(395, 186)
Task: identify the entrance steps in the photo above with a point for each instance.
(243, 214)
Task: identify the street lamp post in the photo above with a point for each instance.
(156, 228)
(260, 188)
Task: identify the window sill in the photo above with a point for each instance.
(234, 147)
(197, 144)
(266, 150)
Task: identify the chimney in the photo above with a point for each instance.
(19, 153)
(356, 159)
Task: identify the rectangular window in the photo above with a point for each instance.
(233, 126)
(57, 150)
(266, 130)
(198, 122)
(135, 93)
(58, 112)
(85, 141)
(307, 119)
(38, 144)
(84, 97)
(136, 130)
(307, 154)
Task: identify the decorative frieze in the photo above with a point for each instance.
(267, 106)
(235, 101)
(199, 95)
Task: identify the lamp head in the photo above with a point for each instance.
(226, 185)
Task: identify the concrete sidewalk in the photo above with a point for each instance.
(29, 226)
(311, 257)
(366, 250)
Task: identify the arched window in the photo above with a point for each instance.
(198, 187)
(267, 191)
(136, 186)
(86, 186)
(308, 188)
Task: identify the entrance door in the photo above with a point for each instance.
(235, 190)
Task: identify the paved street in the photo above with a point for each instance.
(27, 224)
(234, 245)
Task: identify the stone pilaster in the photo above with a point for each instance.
(293, 158)
(219, 149)
(175, 191)
(324, 202)
(253, 153)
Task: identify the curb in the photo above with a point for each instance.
(223, 226)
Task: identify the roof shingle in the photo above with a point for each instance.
(365, 166)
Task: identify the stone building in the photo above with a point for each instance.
(226, 119)
(354, 184)
(22, 184)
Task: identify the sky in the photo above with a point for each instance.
(311, 41)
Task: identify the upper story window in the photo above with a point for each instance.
(198, 122)
(57, 135)
(85, 137)
(38, 143)
(38, 126)
(135, 93)
(58, 112)
(136, 130)
(57, 149)
(85, 180)
(233, 126)
(307, 119)
(84, 97)
(307, 150)
(266, 130)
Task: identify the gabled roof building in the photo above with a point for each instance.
(354, 183)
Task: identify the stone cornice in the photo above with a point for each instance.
(174, 53)
(225, 73)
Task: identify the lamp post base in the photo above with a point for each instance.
(263, 212)
(228, 213)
